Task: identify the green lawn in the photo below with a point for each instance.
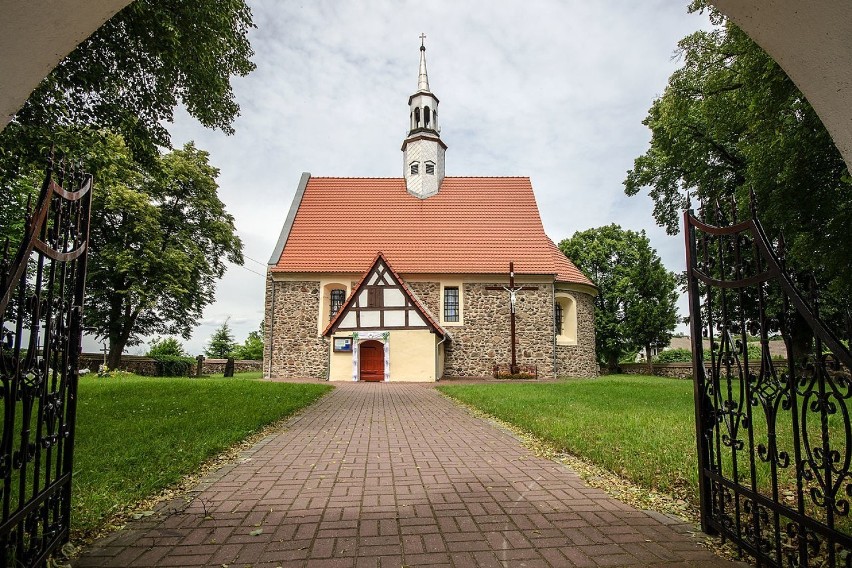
(138, 435)
(639, 427)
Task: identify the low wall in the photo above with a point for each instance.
(673, 370)
(146, 366)
(215, 366)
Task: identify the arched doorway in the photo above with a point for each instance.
(371, 355)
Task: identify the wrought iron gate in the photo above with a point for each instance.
(40, 319)
(774, 434)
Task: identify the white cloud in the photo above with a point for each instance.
(549, 89)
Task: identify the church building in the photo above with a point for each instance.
(408, 278)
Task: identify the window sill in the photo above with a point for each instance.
(565, 341)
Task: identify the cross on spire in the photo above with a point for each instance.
(422, 40)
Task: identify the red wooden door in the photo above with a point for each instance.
(372, 358)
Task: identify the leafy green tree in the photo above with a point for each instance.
(159, 242)
(221, 345)
(731, 121)
(166, 347)
(252, 349)
(635, 305)
(132, 72)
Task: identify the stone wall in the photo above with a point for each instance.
(217, 366)
(132, 363)
(673, 370)
(678, 370)
(146, 366)
(476, 346)
(580, 360)
(291, 346)
(483, 340)
(429, 294)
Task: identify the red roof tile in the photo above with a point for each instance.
(473, 225)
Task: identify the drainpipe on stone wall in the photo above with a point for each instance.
(553, 318)
(438, 357)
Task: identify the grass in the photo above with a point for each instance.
(640, 427)
(139, 435)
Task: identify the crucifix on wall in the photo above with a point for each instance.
(513, 298)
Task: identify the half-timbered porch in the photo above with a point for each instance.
(383, 332)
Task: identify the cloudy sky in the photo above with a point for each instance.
(553, 90)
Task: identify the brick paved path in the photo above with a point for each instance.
(391, 475)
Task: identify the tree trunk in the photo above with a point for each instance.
(116, 349)
(650, 359)
(612, 364)
(801, 339)
(118, 339)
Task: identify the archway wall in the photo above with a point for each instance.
(811, 42)
(36, 35)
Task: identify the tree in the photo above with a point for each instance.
(635, 305)
(133, 71)
(252, 349)
(221, 344)
(731, 121)
(159, 241)
(166, 347)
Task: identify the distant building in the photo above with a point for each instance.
(402, 279)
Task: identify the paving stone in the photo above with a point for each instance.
(386, 475)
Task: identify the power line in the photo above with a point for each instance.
(249, 269)
(263, 264)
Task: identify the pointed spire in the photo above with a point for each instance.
(423, 79)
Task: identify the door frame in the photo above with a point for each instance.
(358, 338)
(361, 361)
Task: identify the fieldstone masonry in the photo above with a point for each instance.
(291, 346)
(484, 339)
(476, 346)
(580, 360)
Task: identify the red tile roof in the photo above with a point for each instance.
(473, 225)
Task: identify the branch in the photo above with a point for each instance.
(725, 154)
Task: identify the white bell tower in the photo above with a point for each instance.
(423, 150)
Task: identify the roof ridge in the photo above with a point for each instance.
(402, 178)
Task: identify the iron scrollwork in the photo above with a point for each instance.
(42, 288)
(774, 433)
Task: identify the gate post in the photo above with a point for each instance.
(699, 377)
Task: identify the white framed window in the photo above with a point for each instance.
(452, 303)
(415, 168)
(430, 168)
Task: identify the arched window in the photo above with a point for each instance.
(430, 167)
(332, 297)
(427, 116)
(417, 117)
(415, 168)
(337, 297)
(565, 319)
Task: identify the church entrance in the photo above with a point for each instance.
(372, 358)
